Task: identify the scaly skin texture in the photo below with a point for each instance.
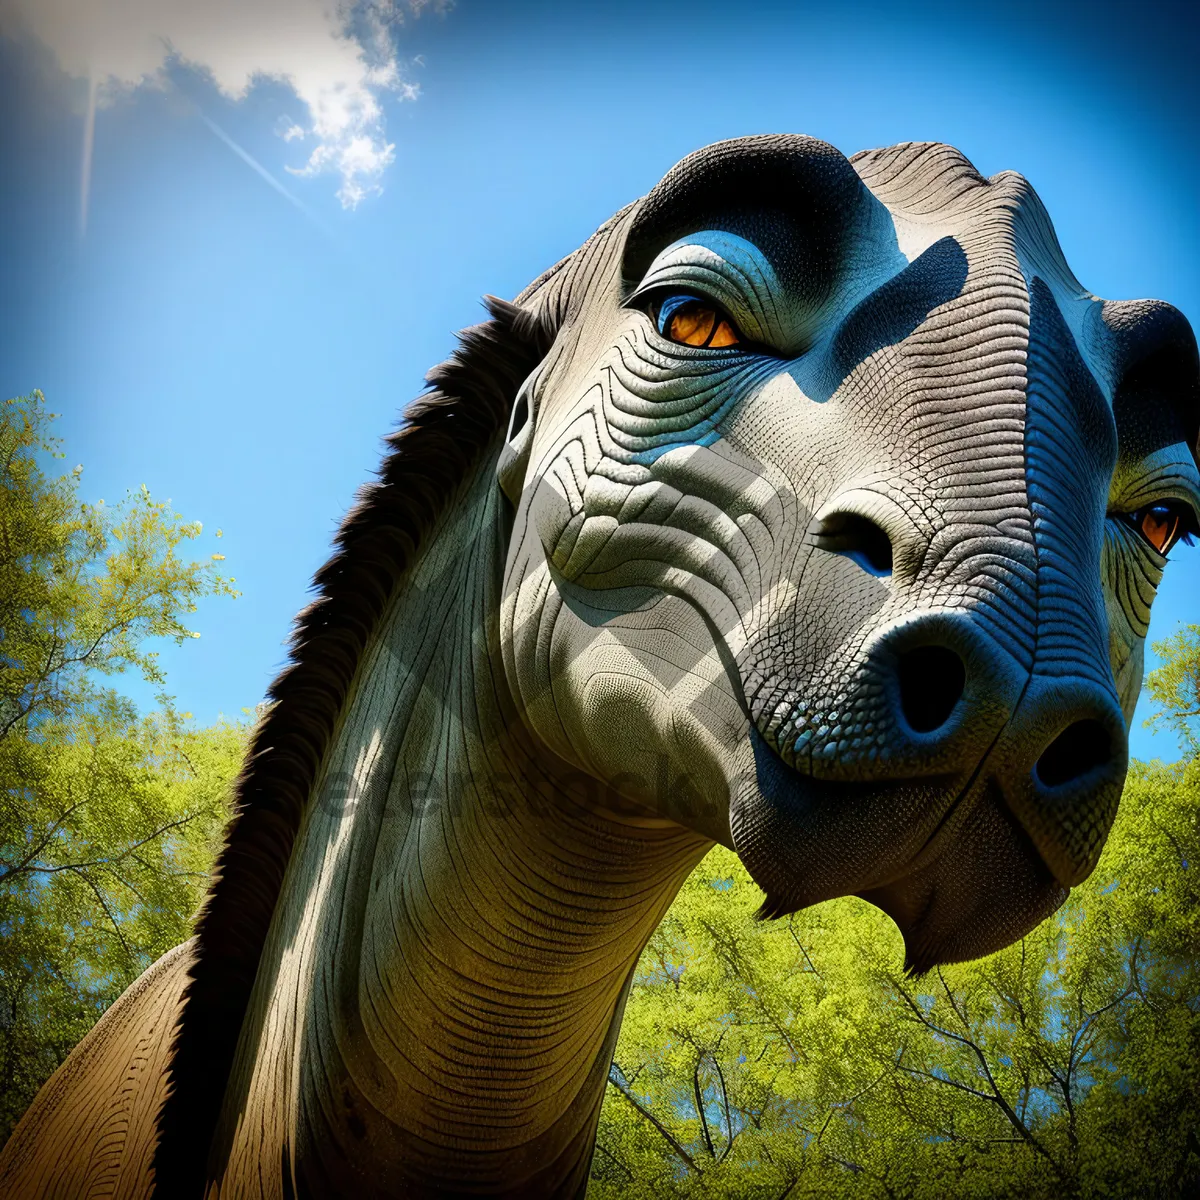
(861, 595)
(443, 985)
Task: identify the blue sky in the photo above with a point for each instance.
(241, 351)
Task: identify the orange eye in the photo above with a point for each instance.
(1162, 525)
(691, 321)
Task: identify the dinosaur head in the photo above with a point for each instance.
(839, 510)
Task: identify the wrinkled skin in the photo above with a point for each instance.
(702, 539)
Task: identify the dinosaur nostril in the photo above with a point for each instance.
(859, 538)
(931, 683)
(1075, 751)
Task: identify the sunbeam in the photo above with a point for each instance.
(85, 170)
(259, 169)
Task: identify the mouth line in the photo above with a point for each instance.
(934, 842)
(974, 788)
(980, 785)
(933, 845)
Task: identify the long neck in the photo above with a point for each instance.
(444, 980)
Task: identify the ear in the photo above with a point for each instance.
(514, 456)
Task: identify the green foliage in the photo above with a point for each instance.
(82, 586)
(1175, 686)
(107, 821)
(796, 1058)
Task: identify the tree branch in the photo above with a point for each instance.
(97, 862)
(682, 1154)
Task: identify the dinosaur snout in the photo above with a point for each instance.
(1052, 743)
(1061, 767)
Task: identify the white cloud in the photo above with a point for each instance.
(337, 55)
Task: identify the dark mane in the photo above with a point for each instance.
(444, 435)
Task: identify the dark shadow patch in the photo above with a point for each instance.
(1156, 402)
(894, 311)
(794, 197)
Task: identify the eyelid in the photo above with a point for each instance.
(668, 304)
(726, 269)
(674, 301)
(1168, 475)
(650, 297)
(1187, 507)
(657, 294)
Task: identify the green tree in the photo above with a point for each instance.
(796, 1058)
(1175, 686)
(107, 820)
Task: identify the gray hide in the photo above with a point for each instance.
(825, 526)
(896, 529)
